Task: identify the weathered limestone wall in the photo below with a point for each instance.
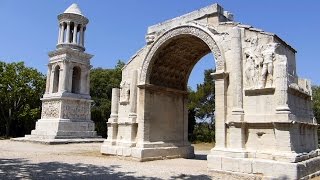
(264, 123)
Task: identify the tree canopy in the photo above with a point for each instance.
(201, 106)
(21, 88)
(101, 83)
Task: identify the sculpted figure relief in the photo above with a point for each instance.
(50, 109)
(124, 92)
(267, 69)
(259, 66)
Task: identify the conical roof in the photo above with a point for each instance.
(74, 9)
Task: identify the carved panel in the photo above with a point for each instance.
(124, 92)
(76, 110)
(50, 109)
(259, 65)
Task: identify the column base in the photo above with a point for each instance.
(229, 166)
(148, 154)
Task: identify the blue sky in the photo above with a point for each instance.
(29, 28)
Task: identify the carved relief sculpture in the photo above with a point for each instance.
(124, 92)
(267, 68)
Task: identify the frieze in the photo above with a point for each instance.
(50, 109)
(76, 110)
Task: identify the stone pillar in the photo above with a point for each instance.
(281, 80)
(68, 33)
(62, 33)
(133, 96)
(74, 40)
(48, 78)
(70, 79)
(64, 75)
(81, 35)
(113, 120)
(84, 30)
(87, 91)
(59, 36)
(237, 71)
(51, 80)
(236, 134)
(61, 79)
(221, 80)
(83, 80)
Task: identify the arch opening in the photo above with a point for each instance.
(170, 68)
(76, 78)
(175, 59)
(56, 79)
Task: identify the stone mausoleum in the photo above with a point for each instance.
(264, 122)
(66, 104)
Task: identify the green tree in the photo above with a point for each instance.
(202, 102)
(102, 81)
(20, 91)
(316, 102)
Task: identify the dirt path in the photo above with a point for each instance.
(20, 160)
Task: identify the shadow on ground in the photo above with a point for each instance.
(202, 157)
(23, 169)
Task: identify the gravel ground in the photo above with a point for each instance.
(22, 160)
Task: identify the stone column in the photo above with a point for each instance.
(70, 79)
(59, 36)
(236, 76)
(68, 33)
(62, 33)
(235, 121)
(133, 95)
(113, 120)
(74, 40)
(81, 35)
(281, 81)
(64, 79)
(87, 91)
(83, 80)
(48, 79)
(84, 30)
(221, 79)
(61, 79)
(51, 80)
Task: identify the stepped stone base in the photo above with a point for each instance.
(149, 154)
(62, 131)
(222, 167)
(35, 139)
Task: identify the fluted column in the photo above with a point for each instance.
(48, 78)
(70, 79)
(81, 35)
(113, 120)
(51, 80)
(237, 71)
(68, 33)
(64, 79)
(74, 41)
(133, 94)
(59, 36)
(84, 30)
(83, 80)
(88, 81)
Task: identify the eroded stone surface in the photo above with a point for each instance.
(264, 121)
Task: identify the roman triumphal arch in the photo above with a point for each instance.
(264, 122)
